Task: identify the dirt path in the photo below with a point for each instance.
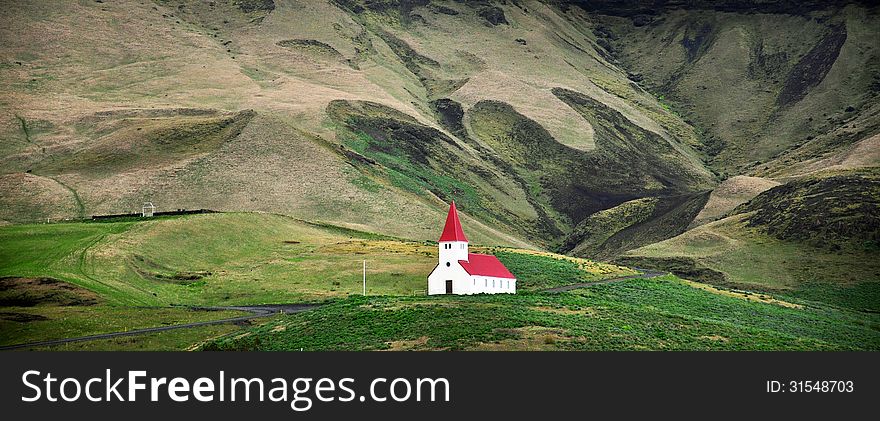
(257, 312)
(643, 274)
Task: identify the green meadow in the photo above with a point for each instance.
(647, 314)
(82, 278)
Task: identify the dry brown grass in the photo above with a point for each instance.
(864, 153)
(718, 338)
(723, 89)
(379, 246)
(729, 194)
(30, 198)
(531, 338)
(408, 345)
(750, 296)
(566, 311)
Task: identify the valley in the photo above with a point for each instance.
(730, 144)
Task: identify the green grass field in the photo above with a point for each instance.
(82, 278)
(655, 314)
(220, 259)
(537, 270)
(75, 279)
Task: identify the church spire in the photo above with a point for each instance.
(452, 231)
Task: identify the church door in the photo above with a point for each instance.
(449, 286)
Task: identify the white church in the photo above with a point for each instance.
(463, 273)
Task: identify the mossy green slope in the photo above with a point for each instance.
(147, 121)
(832, 209)
(768, 88)
(424, 161)
(658, 314)
(511, 164)
(591, 233)
(814, 238)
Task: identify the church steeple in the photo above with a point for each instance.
(453, 244)
(452, 231)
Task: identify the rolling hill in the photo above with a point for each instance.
(81, 278)
(815, 237)
(71, 279)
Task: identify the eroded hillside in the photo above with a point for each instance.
(589, 128)
(769, 85)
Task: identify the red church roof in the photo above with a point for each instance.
(452, 231)
(485, 265)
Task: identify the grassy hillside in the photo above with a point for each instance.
(229, 259)
(71, 279)
(729, 194)
(813, 238)
(204, 259)
(248, 108)
(608, 233)
(730, 254)
(665, 314)
(547, 113)
(778, 84)
(830, 209)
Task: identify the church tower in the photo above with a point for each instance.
(453, 243)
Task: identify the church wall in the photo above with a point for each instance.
(460, 279)
(491, 285)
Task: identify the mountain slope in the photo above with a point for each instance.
(768, 84)
(816, 238)
(733, 143)
(240, 105)
(541, 122)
